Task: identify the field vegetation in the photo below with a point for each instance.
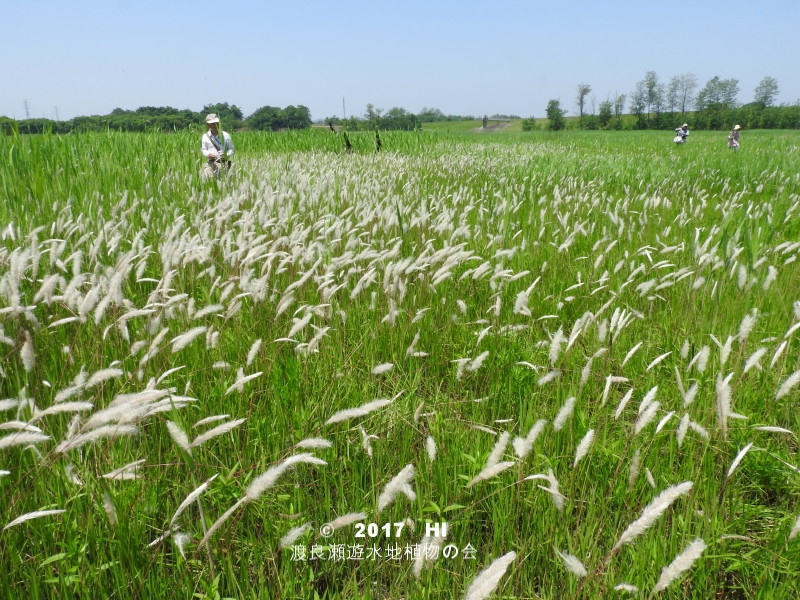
(579, 350)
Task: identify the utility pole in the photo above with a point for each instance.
(56, 113)
(344, 113)
(27, 111)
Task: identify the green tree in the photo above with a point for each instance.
(687, 84)
(296, 117)
(556, 116)
(582, 92)
(431, 115)
(372, 116)
(716, 102)
(398, 119)
(639, 104)
(266, 118)
(648, 99)
(606, 113)
(529, 124)
(766, 92)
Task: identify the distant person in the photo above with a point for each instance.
(217, 151)
(681, 133)
(733, 138)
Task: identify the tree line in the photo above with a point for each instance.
(654, 104)
(266, 118)
(166, 118)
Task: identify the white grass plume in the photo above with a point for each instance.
(400, 484)
(645, 418)
(105, 431)
(683, 428)
(747, 324)
(787, 385)
(180, 342)
(631, 352)
(626, 587)
(102, 375)
(218, 523)
(774, 429)
(178, 436)
(351, 413)
(214, 432)
(382, 368)
(430, 448)
(125, 473)
(111, 511)
(365, 440)
(20, 426)
(268, 478)
(657, 360)
(33, 515)
(738, 459)
(27, 353)
(700, 360)
(294, 534)
(725, 351)
(21, 438)
(583, 447)
(181, 539)
(564, 414)
(609, 380)
(623, 403)
(314, 443)
(795, 530)
(189, 499)
(754, 361)
(430, 547)
(723, 390)
(477, 362)
(253, 352)
(523, 446)
(652, 511)
(778, 353)
(487, 580)
(555, 346)
(489, 472)
(682, 563)
(498, 450)
(573, 564)
(547, 377)
(553, 489)
(241, 379)
(664, 420)
(344, 521)
(211, 419)
(690, 394)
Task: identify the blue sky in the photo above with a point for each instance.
(463, 57)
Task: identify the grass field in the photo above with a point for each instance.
(577, 350)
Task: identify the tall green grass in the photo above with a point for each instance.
(499, 276)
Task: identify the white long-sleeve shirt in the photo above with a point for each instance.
(207, 145)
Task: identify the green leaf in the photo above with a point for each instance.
(53, 558)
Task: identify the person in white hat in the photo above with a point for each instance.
(217, 150)
(733, 138)
(681, 133)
